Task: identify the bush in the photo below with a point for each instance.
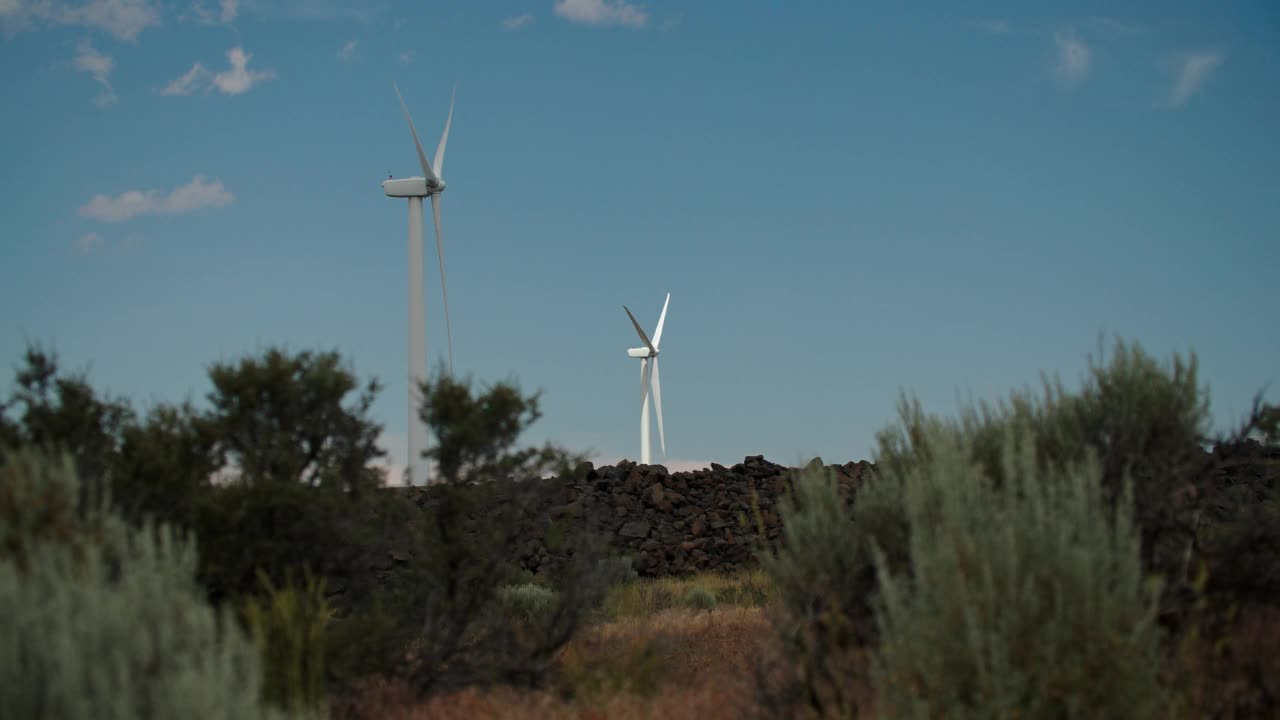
(527, 602)
(103, 620)
(822, 576)
(465, 536)
(699, 598)
(1143, 423)
(289, 625)
(1024, 597)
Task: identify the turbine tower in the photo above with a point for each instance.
(414, 189)
(649, 378)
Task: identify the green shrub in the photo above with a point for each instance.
(105, 620)
(699, 598)
(1141, 421)
(618, 570)
(1024, 598)
(289, 626)
(822, 576)
(41, 502)
(526, 602)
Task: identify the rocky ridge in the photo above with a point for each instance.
(668, 523)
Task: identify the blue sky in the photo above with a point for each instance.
(843, 200)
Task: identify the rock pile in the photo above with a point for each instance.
(671, 523)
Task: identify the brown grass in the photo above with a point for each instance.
(677, 664)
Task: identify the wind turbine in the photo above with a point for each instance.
(416, 188)
(649, 378)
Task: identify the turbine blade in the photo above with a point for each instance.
(657, 334)
(444, 138)
(422, 155)
(657, 405)
(643, 337)
(435, 212)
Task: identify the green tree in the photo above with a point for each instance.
(164, 465)
(466, 535)
(63, 412)
(285, 417)
(299, 450)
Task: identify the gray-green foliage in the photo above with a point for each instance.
(104, 620)
(699, 598)
(821, 576)
(1145, 421)
(1024, 597)
(1142, 423)
(526, 602)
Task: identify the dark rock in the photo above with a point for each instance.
(635, 529)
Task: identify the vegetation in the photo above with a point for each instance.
(288, 625)
(105, 620)
(1027, 597)
(1056, 554)
(463, 539)
(950, 565)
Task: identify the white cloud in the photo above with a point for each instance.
(519, 21)
(993, 26)
(195, 195)
(1193, 70)
(602, 12)
(88, 242)
(234, 81)
(238, 79)
(89, 60)
(185, 84)
(122, 18)
(1074, 58)
(348, 51)
(230, 8)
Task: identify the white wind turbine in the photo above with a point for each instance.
(416, 188)
(649, 378)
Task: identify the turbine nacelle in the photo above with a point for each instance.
(643, 352)
(412, 187)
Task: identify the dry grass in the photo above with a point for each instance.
(1236, 675)
(650, 596)
(673, 665)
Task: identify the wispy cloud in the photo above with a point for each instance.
(188, 82)
(1193, 70)
(236, 80)
(348, 51)
(88, 242)
(124, 19)
(1074, 59)
(98, 65)
(195, 195)
(226, 13)
(517, 22)
(992, 25)
(602, 12)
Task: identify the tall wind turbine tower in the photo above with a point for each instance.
(649, 379)
(416, 188)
